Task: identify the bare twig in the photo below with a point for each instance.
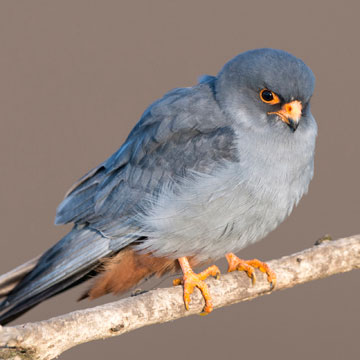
(47, 339)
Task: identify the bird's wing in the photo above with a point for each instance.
(183, 132)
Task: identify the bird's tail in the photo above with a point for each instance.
(67, 263)
(9, 280)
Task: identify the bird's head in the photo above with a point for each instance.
(267, 88)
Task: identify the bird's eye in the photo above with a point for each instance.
(269, 97)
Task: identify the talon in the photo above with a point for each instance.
(177, 282)
(204, 313)
(191, 280)
(253, 278)
(248, 266)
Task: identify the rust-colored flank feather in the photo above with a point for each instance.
(125, 270)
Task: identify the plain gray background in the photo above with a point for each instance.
(75, 77)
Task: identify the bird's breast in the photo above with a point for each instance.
(211, 215)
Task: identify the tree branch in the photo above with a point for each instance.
(48, 339)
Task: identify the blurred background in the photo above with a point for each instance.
(75, 78)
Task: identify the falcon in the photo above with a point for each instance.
(207, 171)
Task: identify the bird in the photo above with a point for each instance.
(206, 171)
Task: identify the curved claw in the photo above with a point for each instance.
(177, 282)
(253, 278)
(263, 267)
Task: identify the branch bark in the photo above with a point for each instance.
(46, 340)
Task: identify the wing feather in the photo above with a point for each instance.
(183, 132)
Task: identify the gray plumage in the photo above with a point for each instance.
(206, 171)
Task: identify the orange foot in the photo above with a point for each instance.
(191, 280)
(248, 266)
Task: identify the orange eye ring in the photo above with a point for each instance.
(269, 97)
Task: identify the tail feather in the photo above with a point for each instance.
(66, 263)
(24, 306)
(9, 280)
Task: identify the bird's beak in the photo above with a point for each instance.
(290, 114)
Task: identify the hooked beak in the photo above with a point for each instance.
(290, 114)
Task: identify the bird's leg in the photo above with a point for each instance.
(248, 266)
(191, 280)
